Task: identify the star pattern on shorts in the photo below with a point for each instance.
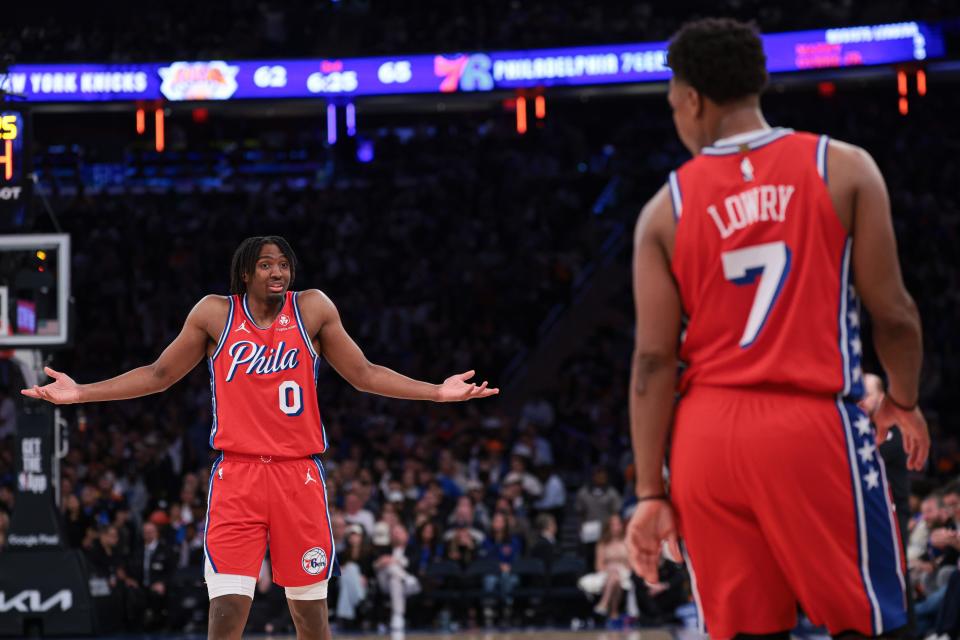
(866, 452)
(872, 478)
(856, 346)
(862, 425)
(854, 318)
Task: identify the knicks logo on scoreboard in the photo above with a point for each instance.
(314, 561)
(215, 80)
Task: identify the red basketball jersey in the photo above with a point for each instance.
(264, 383)
(763, 267)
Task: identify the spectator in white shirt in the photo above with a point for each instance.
(394, 577)
(354, 513)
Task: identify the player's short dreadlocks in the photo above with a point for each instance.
(722, 58)
(245, 260)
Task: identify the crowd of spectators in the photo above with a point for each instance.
(445, 254)
(121, 32)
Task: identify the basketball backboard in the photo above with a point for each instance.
(34, 290)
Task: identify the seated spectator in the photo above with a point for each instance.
(612, 575)
(930, 518)
(381, 536)
(450, 475)
(150, 567)
(465, 515)
(355, 513)
(190, 550)
(596, 503)
(107, 571)
(512, 501)
(505, 547)
(395, 578)
(932, 571)
(481, 513)
(462, 546)
(554, 497)
(426, 548)
(75, 521)
(544, 546)
(356, 568)
(532, 487)
(104, 561)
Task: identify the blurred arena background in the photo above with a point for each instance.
(461, 214)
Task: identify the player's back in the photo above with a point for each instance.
(763, 267)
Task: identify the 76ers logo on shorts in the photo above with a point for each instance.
(314, 561)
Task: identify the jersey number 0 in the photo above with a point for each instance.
(291, 398)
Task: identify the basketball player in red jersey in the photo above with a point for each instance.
(748, 267)
(263, 346)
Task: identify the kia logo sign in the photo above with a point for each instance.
(29, 601)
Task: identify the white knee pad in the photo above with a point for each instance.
(315, 591)
(226, 584)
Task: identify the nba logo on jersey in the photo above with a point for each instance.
(746, 169)
(314, 561)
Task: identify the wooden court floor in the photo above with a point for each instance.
(646, 634)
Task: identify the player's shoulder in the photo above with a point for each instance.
(209, 311)
(313, 300)
(656, 217)
(848, 152)
(212, 304)
(849, 165)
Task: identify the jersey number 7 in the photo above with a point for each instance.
(771, 262)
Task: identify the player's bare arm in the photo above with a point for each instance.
(323, 324)
(652, 382)
(860, 198)
(188, 348)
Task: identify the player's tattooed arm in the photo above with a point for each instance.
(654, 367)
(180, 356)
(652, 382)
(322, 320)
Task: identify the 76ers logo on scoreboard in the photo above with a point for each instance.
(314, 561)
(464, 72)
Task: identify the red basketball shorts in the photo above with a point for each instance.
(256, 500)
(782, 500)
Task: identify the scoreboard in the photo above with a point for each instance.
(15, 168)
(450, 72)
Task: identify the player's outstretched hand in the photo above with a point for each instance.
(913, 427)
(456, 388)
(63, 390)
(650, 525)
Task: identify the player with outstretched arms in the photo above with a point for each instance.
(263, 346)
